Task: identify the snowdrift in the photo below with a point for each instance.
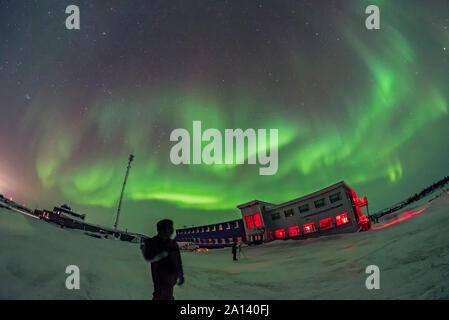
(413, 257)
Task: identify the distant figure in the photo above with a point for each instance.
(234, 251)
(165, 258)
(240, 249)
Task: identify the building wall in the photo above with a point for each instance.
(249, 211)
(288, 215)
(231, 231)
(313, 215)
(239, 231)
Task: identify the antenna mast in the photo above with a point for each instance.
(130, 159)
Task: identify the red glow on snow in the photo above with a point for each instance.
(408, 215)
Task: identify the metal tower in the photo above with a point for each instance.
(130, 159)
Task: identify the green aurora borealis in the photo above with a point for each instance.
(367, 107)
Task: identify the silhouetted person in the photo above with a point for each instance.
(239, 245)
(234, 251)
(165, 258)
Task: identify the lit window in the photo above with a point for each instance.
(230, 240)
(214, 228)
(309, 228)
(304, 208)
(207, 229)
(220, 227)
(236, 225)
(249, 222)
(293, 231)
(320, 203)
(275, 216)
(335, 197)
(342, 218)
(289, 213)
(280, 233)
(228, 226)
(326, 223)
(223, 240)
(257, 220)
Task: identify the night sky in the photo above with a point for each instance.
(366, 106)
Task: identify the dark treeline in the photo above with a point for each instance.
(411, 199)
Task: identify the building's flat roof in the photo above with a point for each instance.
(251, 203)
(284, 204)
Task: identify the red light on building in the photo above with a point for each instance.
(293, 231)
(249, 222)
(257, 220)
(326, 223)
(309, 228)
(364, 223)
(280, 233)
(342, 218)
(253, 221)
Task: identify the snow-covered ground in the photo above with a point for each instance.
(413, 257)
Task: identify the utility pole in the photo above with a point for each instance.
(130, 159)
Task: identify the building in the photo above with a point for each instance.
(334, 209)
(65, 210)
(66, 218)
(213, 235)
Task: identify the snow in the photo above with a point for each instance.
(413, 257)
